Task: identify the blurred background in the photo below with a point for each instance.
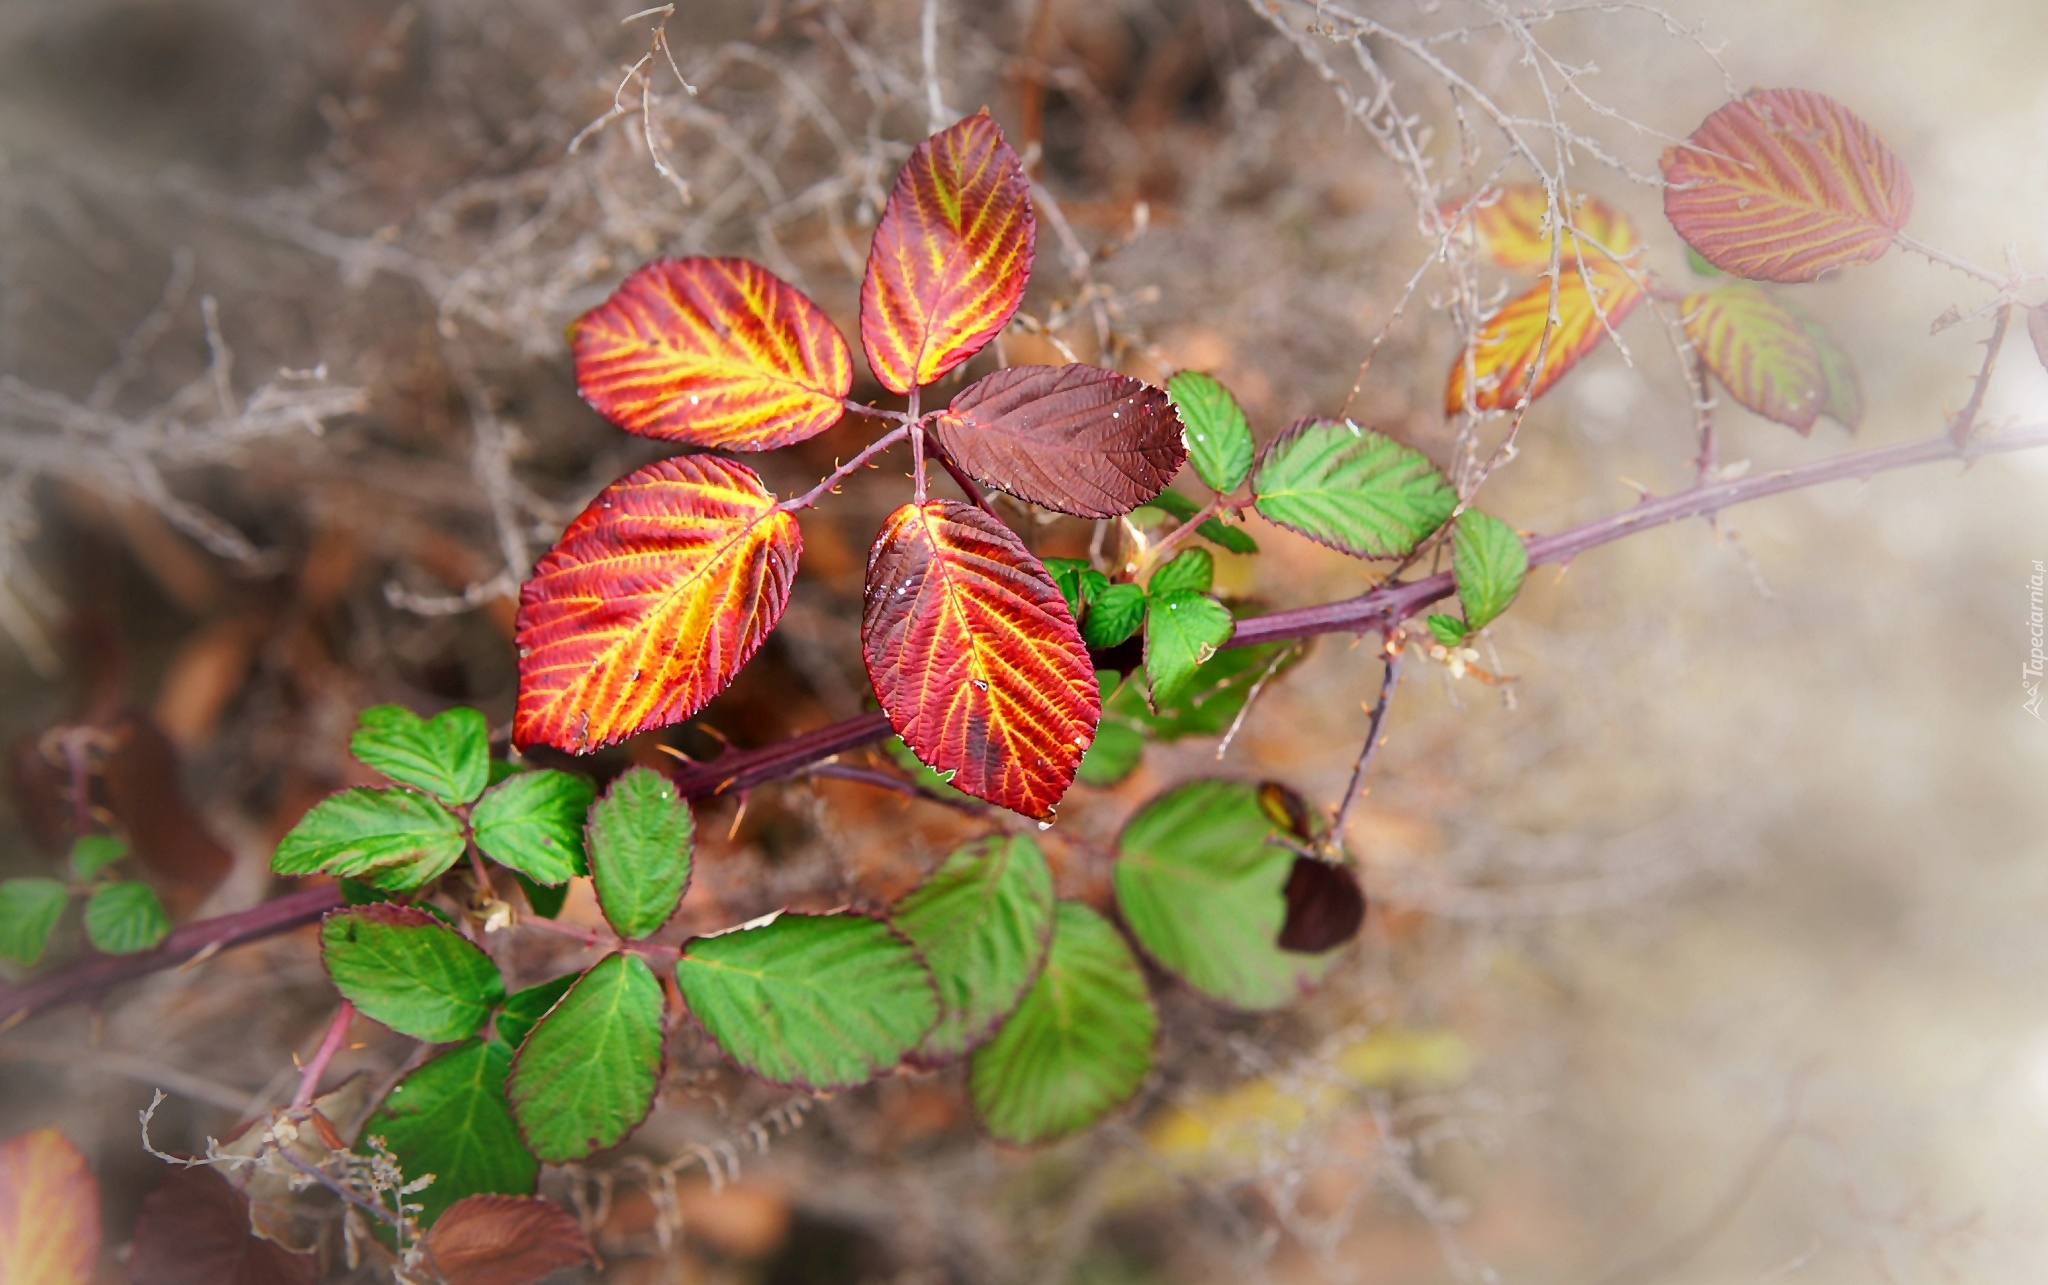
(1706, 944)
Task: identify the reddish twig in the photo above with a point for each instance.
(1391, 659)
(309, 1079)
(836, 477)
(1965, 421)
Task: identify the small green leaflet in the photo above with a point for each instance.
(94, 853)
(1843, 390)
(586, 1074)
(1181, 508)
(1202, 890)
(1080, 1044)
(1351, 489)
(983, 921)
(394, 839)
(1211, 700)
(1489, 562)
(29, 909)
(1078, 582)
(1191, 569)
(125, 918)
(524, 1009)
(813, 1001)
(545, 902)
(1219, 440)
(448, 756)
(1114, 616)
(1449, 630)
(1182, 629)
(1113, 755)
(1698, 263)
(533, 823)
(449, 1118)
(640, 851)
(403, 968)
(922, 774)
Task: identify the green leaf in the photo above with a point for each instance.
(586, 1075)
(983, 921)
(94, 853)
(1449, 630)
(533, 823)
(545, 902)
(1182, 629)
(448, 756)
(1112, 756)
(1489, 561)
(449, 1118)
(1181, 508)
(1114, 616)
(1203, 892)
(125, 918)
(1698, 263)
(1351, 489)
(922, 773)
(394, 839)
(815, 1001)
(29, 909)
(1843, 390)
(1079, 1045)
(1078, 582)
(640, 851)
(403, 968)
(1191, 569)
(1219, 440)
(1211, 700)
(524, 1009)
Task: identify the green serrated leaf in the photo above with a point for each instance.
(1114, 616)
(533, 823)
(1843, 391)
(586, 1074)
(1182, 630)
(1203, 892)
(1211, 699)
(545, 902)
(404, 969)
(524, 1009)
(94, 853)
(983, 921)
(449, 1118)
(29, 910)
(815, 1001)
(1078, 1046)
(396, 840)
(1114, 754)
(640, 851)
(1351, 489)
(1219, 440)
(1181, 508)
(448, 756)
(1449, 630)
(1489, 562)
(1191, 569)
(125, 918)
(1078, 582)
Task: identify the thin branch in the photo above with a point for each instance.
(309, 1079)
(900, 784)
(1965, 421)
(1390, 657)
(839, 475)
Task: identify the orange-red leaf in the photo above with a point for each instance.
(713, 352)
(1784, 184)
(650, 602)
(1505, 352)
(1078, 439)
(1759, 351)
(1512, 223)
(505, 1240)
(951, 255)
(975, 656)
(49, 1211)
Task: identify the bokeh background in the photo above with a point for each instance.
(1706, 949)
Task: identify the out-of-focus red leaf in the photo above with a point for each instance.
(1325, 906)
(1511, 222)
(145, 790)
(1783, 185)
(194, 1230)
(951, 255)
(505, 1240)
(975, 657)
(714, 352)
(1508, 344)
(651, 601)
(49, 1211)
(1078, 439)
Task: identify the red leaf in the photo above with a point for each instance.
(975, 657)
(713, 352)
(1504, 355)
(194, 1230)
(651, 602)
(49, 1211)
(1078, 439)
(505, 1240)
(1759, 351)
(950, 257)
(1511, 222)
(1784, 184)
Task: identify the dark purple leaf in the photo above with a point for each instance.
(1325, 906)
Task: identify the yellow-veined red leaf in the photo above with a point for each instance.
(650, 602)
(1784, 184)
(1504, 355)
(1758, 350)
(713, 352)
(49, 1211)
(975, 656)
(950, 256)
(1512, 223)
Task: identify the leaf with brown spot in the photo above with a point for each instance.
(505, 1240)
